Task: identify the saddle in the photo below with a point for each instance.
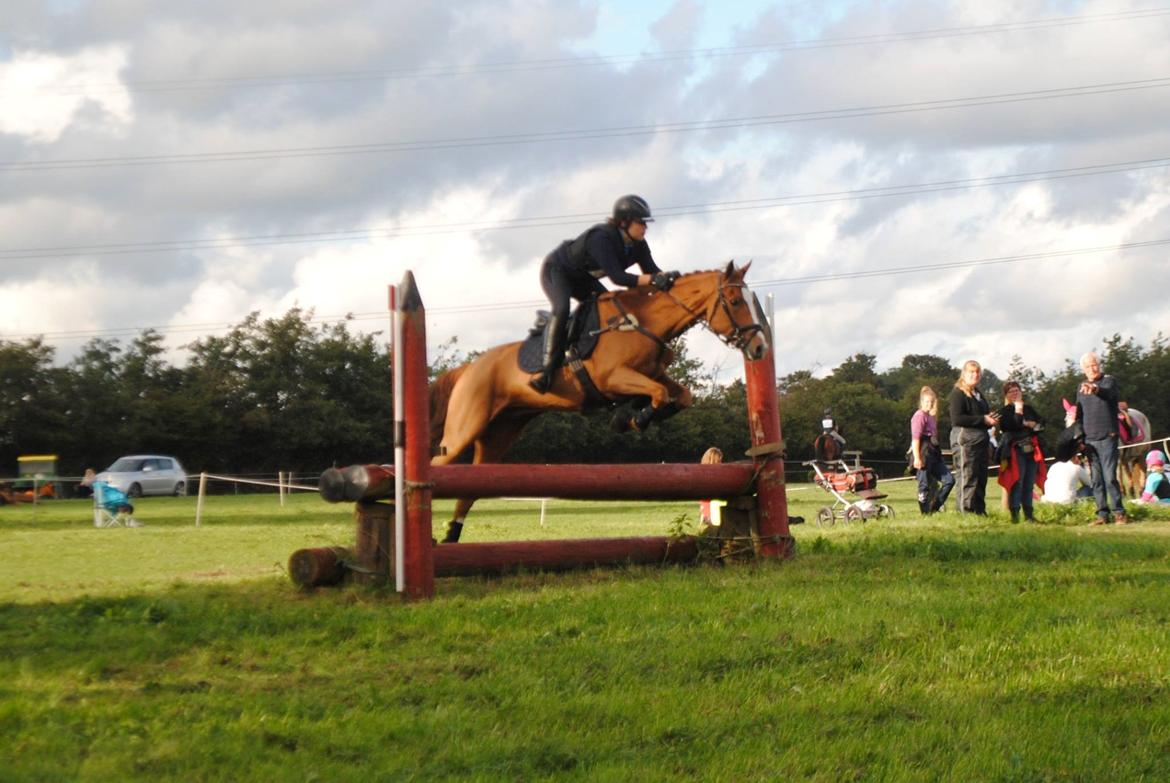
(582, 334)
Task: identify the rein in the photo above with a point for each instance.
(739, 337)
(740, 334)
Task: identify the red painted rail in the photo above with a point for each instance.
(563, 555)
(655, 481)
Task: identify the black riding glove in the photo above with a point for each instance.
(664, 280)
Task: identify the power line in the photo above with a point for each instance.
(563, 63)
(429, 229)
(762, 284)
(589, 133)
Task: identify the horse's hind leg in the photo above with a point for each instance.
(490, 447)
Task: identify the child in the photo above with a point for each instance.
(926, 456)
(1157, 485)
(709, 509)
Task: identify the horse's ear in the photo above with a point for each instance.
(730, 270)
(744, 269)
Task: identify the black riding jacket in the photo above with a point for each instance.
(601, 252)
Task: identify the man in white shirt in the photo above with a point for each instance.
(1068, 482)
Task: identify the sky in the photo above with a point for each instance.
(972, 180)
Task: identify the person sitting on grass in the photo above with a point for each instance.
(1068, 481)
(1157, 484)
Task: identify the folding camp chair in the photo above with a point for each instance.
(111, 507)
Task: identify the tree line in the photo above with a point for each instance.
(286, 394)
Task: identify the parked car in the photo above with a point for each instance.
(146, 474)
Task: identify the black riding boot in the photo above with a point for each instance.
(554, 352)
(1015, 512)
(924, 507)
(453, 530)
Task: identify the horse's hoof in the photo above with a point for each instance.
(454, 529)
(620, 423)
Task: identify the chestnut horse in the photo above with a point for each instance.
(487, 402)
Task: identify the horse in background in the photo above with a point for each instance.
(1131, 465)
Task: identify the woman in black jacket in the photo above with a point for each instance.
(1021, 462)
(971, 417)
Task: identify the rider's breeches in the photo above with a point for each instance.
(562, 285)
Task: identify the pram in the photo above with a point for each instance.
(111, 507)
(836, 477)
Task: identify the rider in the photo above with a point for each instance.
(575, 269)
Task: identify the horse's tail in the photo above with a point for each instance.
(440, 395)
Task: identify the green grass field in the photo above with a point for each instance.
(907, 649)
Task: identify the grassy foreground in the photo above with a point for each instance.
(941, 649)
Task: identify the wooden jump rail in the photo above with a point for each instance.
(757, 487)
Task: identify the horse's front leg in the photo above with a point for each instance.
(628, 382)
(680, 399)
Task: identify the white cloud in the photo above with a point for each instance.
(1044, 310)
(44, 93)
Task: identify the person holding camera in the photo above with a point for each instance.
(1021, 462)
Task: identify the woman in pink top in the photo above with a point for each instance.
(927, 456)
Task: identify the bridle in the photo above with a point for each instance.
(740, 334)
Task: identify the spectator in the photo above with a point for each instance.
(1157, 485)
(85, 487)
(1021, 463)
(1097, 411)
(927, 456)
(1068, 481)
(709, 509)
(971, 417)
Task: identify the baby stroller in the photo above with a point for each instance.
(835, 476)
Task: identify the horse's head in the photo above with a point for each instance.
(734, 313)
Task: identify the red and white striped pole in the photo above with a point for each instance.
(399, 443)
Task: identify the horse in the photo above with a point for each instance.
(487, 402)
(1131, 465)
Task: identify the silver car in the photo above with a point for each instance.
(146, 474)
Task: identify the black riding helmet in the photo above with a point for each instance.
(631, 207)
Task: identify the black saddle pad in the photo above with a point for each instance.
(583, 326)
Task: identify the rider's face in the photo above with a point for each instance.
(636, 230)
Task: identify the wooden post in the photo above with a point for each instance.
(767, 450)
(418, 544)
(374, 551)
(199, 502)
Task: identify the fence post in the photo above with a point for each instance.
(768, 453)
(199, 502)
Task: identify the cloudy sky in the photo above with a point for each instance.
(965, 179)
